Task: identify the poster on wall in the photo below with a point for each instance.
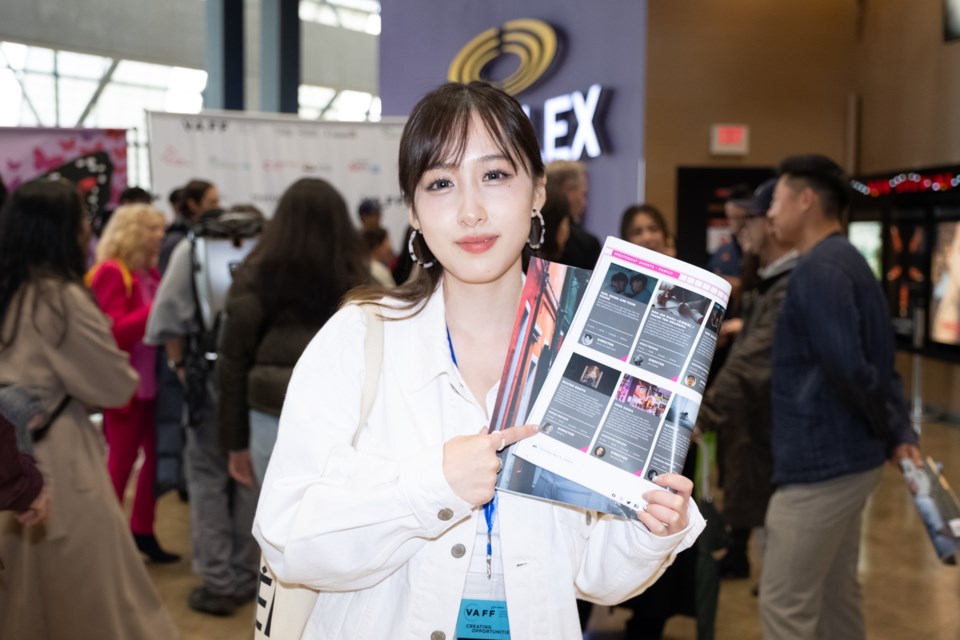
(905, 279)
(93, 159)
(945, 282)
(253, 158)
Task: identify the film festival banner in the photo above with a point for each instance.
(93, 159)
(612, 365)
(253, 158)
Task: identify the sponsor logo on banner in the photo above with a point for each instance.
(364, 166)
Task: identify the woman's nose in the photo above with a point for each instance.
(472, 210)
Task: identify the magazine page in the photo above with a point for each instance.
(937, 505)
(620, 402)
(552, 292)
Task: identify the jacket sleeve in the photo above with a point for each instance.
(174, 310)
(745, 376)
(111, 293)
(81, 350)
(239, 337)
(330, 516)
(20, 480)
(622, 557)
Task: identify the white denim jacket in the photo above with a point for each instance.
(372, 527)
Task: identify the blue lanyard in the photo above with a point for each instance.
(489, 509)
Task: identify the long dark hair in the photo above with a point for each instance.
(634, 210)
(40, 234)
(193, 190)
(309, 255)
(436, 133)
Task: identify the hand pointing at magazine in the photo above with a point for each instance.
(471, 465)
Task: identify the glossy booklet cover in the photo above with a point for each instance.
(613, 369)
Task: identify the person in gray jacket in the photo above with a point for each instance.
(225, 554)
(737, 404)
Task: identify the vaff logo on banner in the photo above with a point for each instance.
(93, 159)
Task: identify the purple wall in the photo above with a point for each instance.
(601, 42)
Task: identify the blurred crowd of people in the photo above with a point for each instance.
(806, 405)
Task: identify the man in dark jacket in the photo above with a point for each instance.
(838, 412)
(737, 404)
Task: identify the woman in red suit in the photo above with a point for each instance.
(124, 281)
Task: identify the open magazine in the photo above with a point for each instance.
(551, 295)
(938, 507)
(624, 379)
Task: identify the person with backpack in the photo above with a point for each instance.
(221, 511)
(308, 257)
(79, 576)
(124, 281)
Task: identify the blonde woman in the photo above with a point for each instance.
(124, 282)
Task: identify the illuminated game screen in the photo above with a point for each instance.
(867, 238)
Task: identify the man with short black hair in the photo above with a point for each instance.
(838, 411)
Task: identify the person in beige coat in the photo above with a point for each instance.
(77, 575)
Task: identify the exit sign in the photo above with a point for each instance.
(729, 139)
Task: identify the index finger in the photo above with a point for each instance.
(511, 435)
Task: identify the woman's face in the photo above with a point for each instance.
(210, 200)
(475, 216)
(645, 232)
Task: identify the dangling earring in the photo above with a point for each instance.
(413, 253)
(533, 233)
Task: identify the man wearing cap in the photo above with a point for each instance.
(725, 261)
(737, 404)
(838, 411)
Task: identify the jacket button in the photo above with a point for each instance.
(458, 551)
(445, 514)
(438, 635)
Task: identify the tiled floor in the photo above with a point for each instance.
(908, 594)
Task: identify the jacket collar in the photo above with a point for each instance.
(784, 263)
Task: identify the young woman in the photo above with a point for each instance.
(78, 576)
(388, 519)
(644, 225)
(192, 200)
(124, 282)
(308, 257)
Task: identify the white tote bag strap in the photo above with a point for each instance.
(372, 363)
(283, 610)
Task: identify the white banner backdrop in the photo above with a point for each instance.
(253, 158)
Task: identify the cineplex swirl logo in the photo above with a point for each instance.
(532, 41)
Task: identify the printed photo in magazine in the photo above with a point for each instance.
(552, 292)
(937, 505)
(620, 401)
